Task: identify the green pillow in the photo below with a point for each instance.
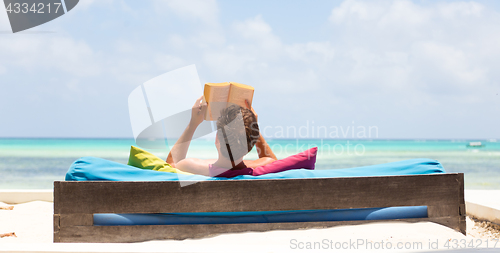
(144, 160)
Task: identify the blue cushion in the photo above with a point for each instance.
(97, 169)
(398, 212)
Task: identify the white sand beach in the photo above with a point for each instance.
(32, 224)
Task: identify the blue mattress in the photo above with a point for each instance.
(96, 169)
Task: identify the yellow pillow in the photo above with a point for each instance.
(144, 160)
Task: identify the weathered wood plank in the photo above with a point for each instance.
(256, 195)
(57, 217)
(76, 219)
(118, 234)
(443, 210)
(461, 200)
(57, 228)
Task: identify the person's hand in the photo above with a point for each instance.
(198, 112)
(251, 108)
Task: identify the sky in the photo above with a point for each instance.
(401, 69)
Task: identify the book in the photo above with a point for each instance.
(221, 95)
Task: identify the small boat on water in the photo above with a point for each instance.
(475, 144)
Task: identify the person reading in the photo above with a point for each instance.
(237, 133)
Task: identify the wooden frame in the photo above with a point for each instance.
(76, 202)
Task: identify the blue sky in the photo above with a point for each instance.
(412, 69)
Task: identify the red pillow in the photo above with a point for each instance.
(302, 160)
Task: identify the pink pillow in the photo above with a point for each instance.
(302, 160)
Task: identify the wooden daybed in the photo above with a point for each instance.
(76, 202)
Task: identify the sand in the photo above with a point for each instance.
(32, 224)
(482, 229)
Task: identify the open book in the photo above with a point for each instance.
(220, 95)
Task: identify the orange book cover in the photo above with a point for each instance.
(219, 95)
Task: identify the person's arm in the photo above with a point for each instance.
(180, 148)
(259, 162)
(194, 165)
(263, 148)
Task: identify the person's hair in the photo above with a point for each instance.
(242, 139)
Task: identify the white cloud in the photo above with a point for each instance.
(86, 4)
(253, 28)
(177, 41)
(398, 13)
(440, 44)
(311, 52)
(202, 29)
(205, 11)
(55, 52)
(257, 30)
(404, 13)
(169, 62)
(450, 61)
(352, 9)
(460, 9)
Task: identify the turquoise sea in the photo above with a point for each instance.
(36, 163)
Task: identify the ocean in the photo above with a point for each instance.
(36, 163)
